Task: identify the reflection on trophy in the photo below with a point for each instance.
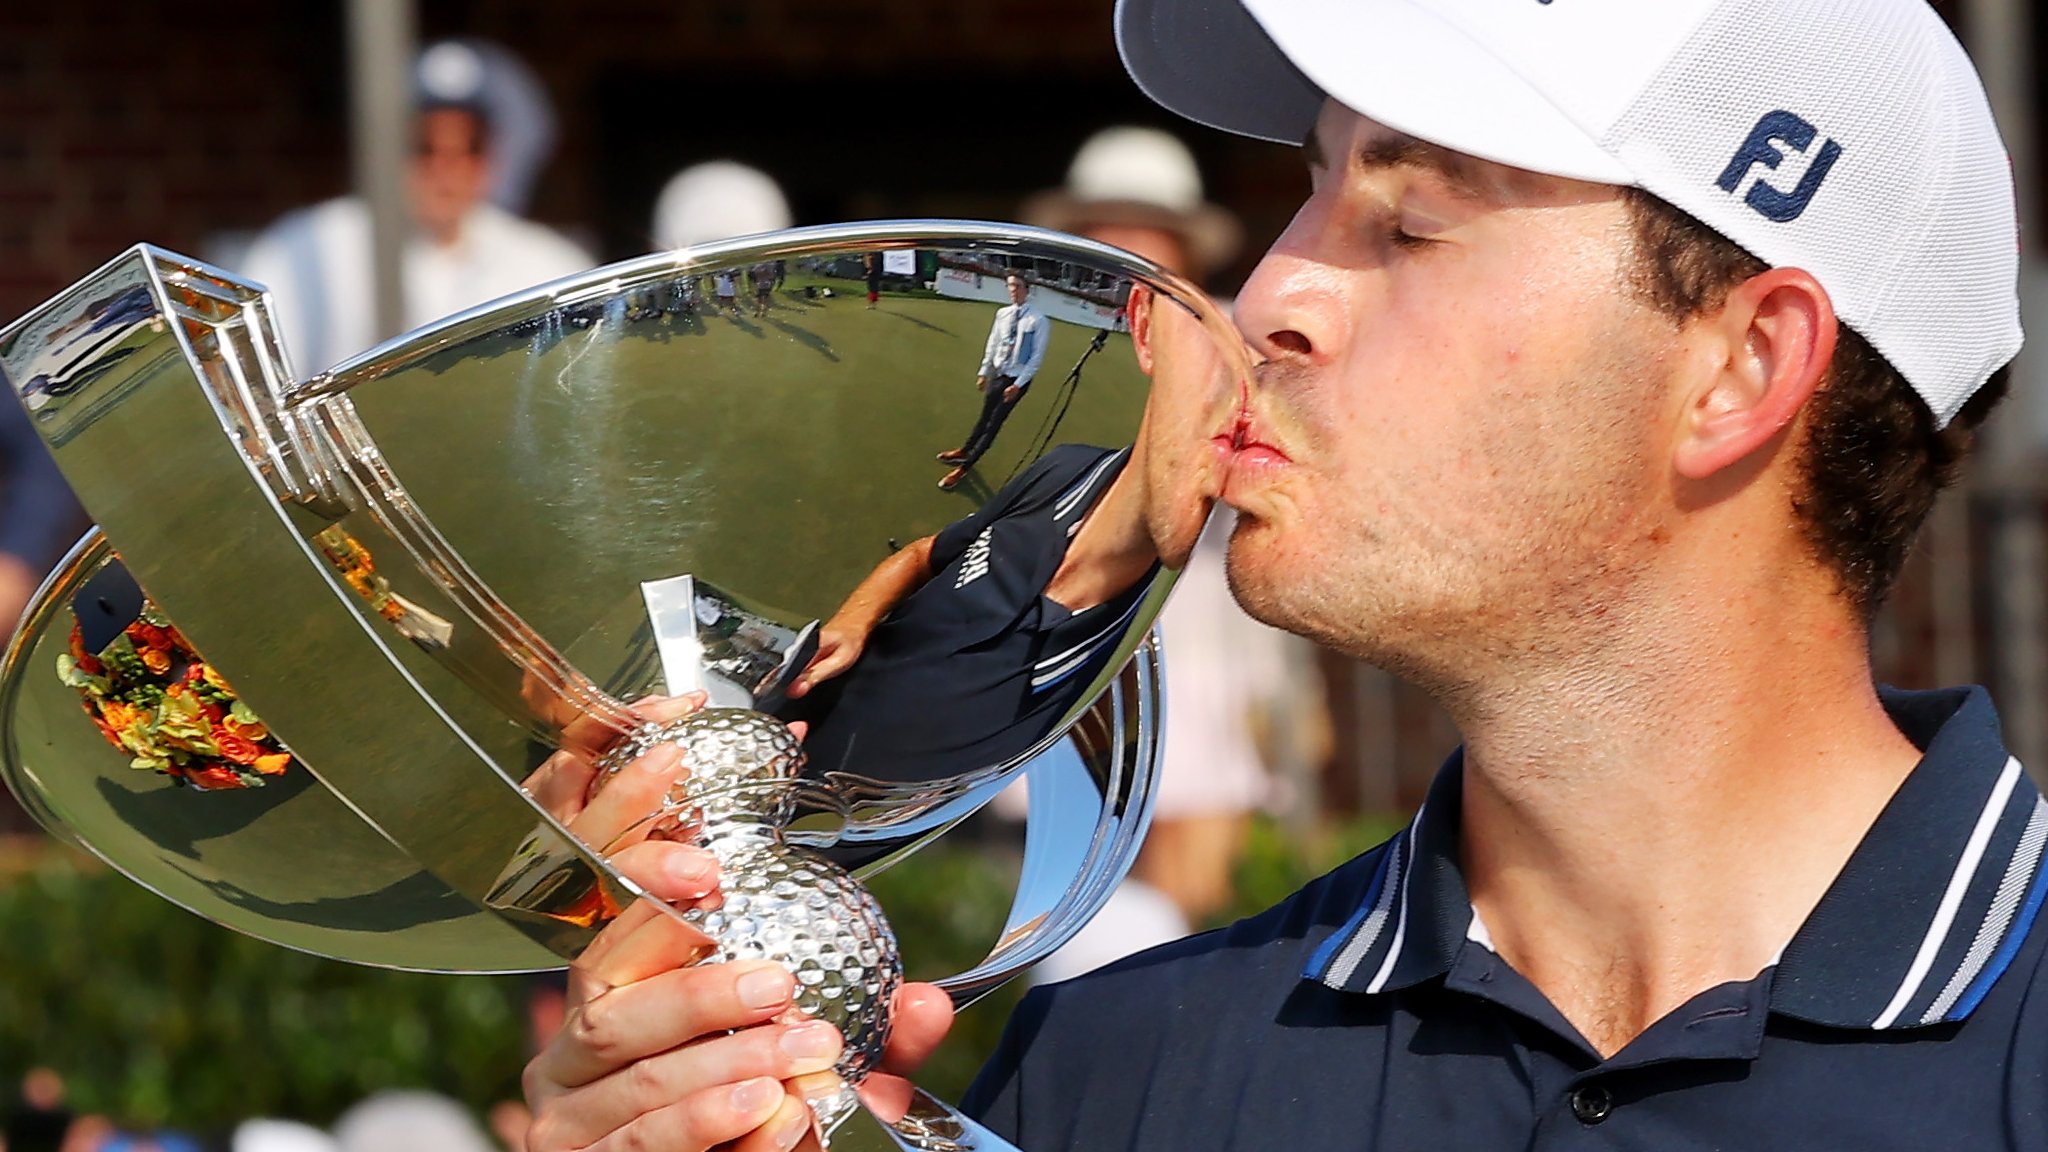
(300, 676)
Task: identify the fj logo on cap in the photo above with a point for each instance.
(1775, 129)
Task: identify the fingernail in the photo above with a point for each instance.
(692, 868)
(764, 987)
(814, 1041)
(757, 1095)
(661, 760)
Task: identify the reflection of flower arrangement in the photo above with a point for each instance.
(153, 698)
(359, 569)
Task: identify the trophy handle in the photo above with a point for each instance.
(928, 1125)
(932, 1125)
(1067, 878)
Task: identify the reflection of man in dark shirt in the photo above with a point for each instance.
(972, 661)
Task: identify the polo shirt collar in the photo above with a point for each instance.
(1924, 917)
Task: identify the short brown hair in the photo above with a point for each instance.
(1873, 461)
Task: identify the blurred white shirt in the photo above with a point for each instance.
(316, 262)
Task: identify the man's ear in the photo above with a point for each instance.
(1139, 314)
(1766, 351)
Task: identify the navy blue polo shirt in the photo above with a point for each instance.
(978, 665)
(1367, 1012)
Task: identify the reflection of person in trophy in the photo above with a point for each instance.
(1139, 189)
(1539, 426)
(962, 649)
(463, 249)
(1012, 356)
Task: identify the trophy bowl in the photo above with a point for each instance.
(330, 634)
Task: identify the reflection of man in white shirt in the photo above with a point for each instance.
(463, 251)
(1016, 349)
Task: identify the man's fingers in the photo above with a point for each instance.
(560, 785)
(789, 1129)
(920, 1016)
(624, 808)
(633, 1021)
(693, 1124)
(671, 872)
(779, 1052)
(663, 709)
(664, 942)
(824, 668)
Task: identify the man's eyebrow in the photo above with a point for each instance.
(1458, 174)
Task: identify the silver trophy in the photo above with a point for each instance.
(316, 672)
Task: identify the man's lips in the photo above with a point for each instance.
(1242, 450)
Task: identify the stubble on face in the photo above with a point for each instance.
(1475, 483)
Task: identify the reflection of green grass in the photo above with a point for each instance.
(774, 457)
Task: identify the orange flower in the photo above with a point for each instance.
(149, 635)
(112, 734)
(391, 610)
(118, 715)
(255, 731)
(157, 660)
(219, 681)
(237, 749)
(217, 776)
(273, 764)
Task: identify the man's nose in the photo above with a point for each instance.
(1292, 306)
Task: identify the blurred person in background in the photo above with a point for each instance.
(279, 1136)
(38, 1121)
(718, 200)
(410, 1122)
(39, 517)
(1139, 189)
(462, 251)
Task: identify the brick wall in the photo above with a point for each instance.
(154, 122)
(172, 124)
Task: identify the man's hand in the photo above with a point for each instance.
(662, 1053)
(1011, 393)
(981, 383)
(839, 645)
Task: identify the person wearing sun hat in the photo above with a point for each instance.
(1605, 375)
(1139, 189)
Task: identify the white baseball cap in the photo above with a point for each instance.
(1850, 138)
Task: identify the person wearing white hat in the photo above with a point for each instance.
(463, 250)
(1606, 373)
(718, 200)
(1139, 189)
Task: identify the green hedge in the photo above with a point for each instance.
(155, 1017)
